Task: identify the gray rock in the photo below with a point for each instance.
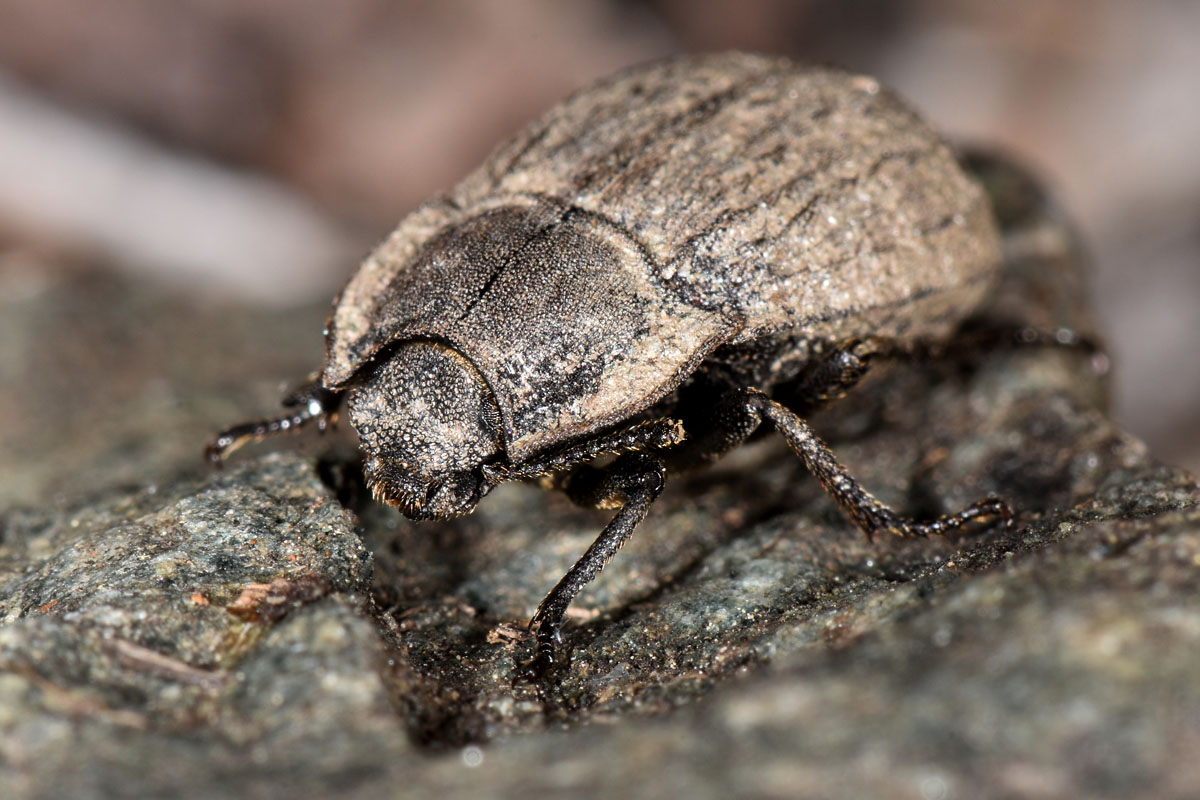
(170, 631)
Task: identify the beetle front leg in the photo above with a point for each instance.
(633, 481)
(649, 435)
(870, 515)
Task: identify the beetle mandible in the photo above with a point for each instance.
(648, 271)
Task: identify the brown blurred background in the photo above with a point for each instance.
(256, 148)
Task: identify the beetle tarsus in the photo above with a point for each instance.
(985, 513)
(547, 641)
(536, 668)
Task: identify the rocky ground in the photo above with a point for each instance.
(265, 630)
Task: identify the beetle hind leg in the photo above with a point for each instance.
(308, 403)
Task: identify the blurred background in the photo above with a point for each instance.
(253, 150)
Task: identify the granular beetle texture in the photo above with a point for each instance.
(649, 270)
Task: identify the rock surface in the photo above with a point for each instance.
(266, 630)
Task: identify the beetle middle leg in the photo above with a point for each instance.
(740, 413)
(633, 481)
(828, 380)
(737, 412)
(870, 515)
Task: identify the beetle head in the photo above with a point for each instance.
(427, 422)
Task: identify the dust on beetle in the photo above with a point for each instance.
(649, 271)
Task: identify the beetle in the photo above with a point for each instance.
(649, 271)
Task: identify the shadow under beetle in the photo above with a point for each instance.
(650, 270)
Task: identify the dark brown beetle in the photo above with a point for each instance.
(638, 273)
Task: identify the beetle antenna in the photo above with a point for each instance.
(311, 402)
